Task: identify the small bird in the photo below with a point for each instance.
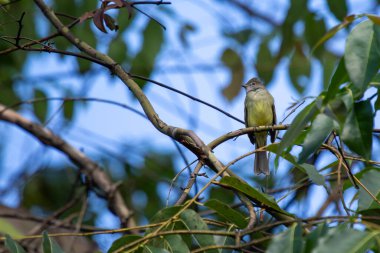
(259, 110)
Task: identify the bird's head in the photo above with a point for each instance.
(253, 84)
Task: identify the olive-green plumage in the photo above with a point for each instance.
(259, 110)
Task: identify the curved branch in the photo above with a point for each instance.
(98, 177)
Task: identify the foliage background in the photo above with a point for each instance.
(207, 51)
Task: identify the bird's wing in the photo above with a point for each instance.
(274, 122)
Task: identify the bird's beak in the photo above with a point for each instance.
(244, 85)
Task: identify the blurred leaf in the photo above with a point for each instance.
(12, 245)
(371, 181)
(362, 54)
(321, 127)
(122, 241)
(344, 239)
(255, 195)
(117, 50)
(235, 65)
(242, 36)
(313, 237)
(49, 189)
(299, 69)
(110, 23)
(315, 28)
(330, 33)
(193, 221)
(377, 103)
(8, 228)
(49, 245)
(339, 77)
(298, 125)
(143, 63)
(357, 130)
(265, 63)
(68, 109)
(375, 19)
(186, 29)
(40, 107)
(289, 241)
(227, 212)
(338, 8)
(7, 95)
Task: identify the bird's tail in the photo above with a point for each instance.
(261, 163)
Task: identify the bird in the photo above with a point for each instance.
(259, 110)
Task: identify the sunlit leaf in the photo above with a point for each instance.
(227, 212)
(362, 54)
(235, 65)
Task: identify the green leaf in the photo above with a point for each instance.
(49, 245)
(339, 77)
(40, 107)
(315, 28)
(6, 227)
(186, 29)
(235, 65)
(68, 109)
(289, 241)
(117, 50)
(362, 54)
(145, 59)
(344, 239)
(265, 63)
(357, 129)
(338, 8)
(299, 69)
(193, 221)
(175, 244)
(242, 36)
(330, 33)
(375, 19)
(377, 103)
(298, 125)
(151, 249)
(227, 212)
(309, 169)
(371, 181)
(255, 195)
(122, 241)
(12, 245)
(312, 238)
(321, 127)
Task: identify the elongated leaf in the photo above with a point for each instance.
(40, 107)
(255, 195)
(12, 245)
(330, 33)
(193, 221)
(152, 249)
(289, 241)
(235, 65)
(338, 8)
(362, 54)
(122, 241)
(339, 77)
(357, 129)
(309, 169)
(370, 180)
(321, 127)
(312, 238)
(344, 239)
(49, 245)
(227, 212)
(299, 69)
(298, 125)
(145, 59)
(266, 62)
